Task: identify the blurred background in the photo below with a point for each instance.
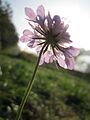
(63, 95)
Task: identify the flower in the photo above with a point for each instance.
(52, 34)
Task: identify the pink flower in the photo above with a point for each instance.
(51, 33)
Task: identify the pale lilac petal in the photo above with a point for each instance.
(56, 30)
(40, 21)
(31, 43)
(35, 44)
(57, 19)
(27, 32)
(61, 62)
(24, 38)
(51, 58)
(47, 56)
(49, 21)
(70, 62)
(41, 11)
(74, 51)
(41, 60)
(71, 51)
(65, 38)
(66, 27)
(47, 59)
(56, 24)
(27, 36)
(66, 35)
(38, 48)
(30, 13)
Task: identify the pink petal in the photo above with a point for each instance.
(41, 11)
(30, 13)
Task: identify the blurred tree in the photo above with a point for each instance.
(8, 35)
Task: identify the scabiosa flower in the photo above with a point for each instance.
(52, 34)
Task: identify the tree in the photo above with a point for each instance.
(8, 35)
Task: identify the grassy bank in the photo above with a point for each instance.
(57, 94)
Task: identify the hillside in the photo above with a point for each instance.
(57, 94)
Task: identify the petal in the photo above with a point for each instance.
(41, 11)
(47, 56)
(71, 51)
(65, 37)
(41, 60)
(49, 21)
(56, 29)
(27, 32)
(30, 13)
(66, 27)
(61, 62)
(38, 48)
(24, 38)
(40, 21)
(31, 43)
(51, 59)
(57, 19)
(70, 62)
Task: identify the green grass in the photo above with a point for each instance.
(57, 94)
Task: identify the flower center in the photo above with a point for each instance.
(50, 38)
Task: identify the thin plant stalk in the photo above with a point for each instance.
(29, 87)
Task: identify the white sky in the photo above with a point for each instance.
(77, 13)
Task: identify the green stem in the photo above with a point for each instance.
(29, 87)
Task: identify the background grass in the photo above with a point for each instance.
(57, 94)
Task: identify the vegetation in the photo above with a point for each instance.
(57, 94)
(8, 35)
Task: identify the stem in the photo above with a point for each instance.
(29, 87)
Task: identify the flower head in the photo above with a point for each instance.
(52, 34)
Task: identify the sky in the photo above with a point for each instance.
(76, 12)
